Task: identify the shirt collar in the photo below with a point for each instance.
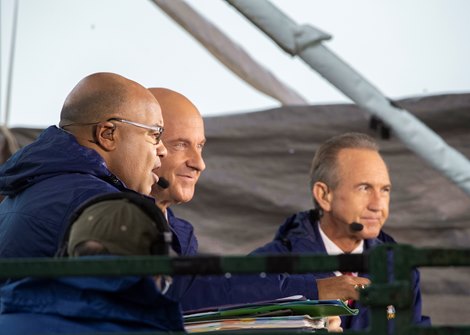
(333, 249)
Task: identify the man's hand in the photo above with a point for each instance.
(341, 287)
(334, 324)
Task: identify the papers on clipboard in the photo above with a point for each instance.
(276, 322)
(288, 313)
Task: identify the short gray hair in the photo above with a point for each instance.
(324, 166)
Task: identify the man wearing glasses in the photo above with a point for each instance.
(108, 140)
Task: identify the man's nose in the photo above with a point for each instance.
(161, 150)
(378, 201)
(196, 161)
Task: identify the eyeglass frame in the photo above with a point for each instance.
(158, 129)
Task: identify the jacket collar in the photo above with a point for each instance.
(302, 229)
(54, 152)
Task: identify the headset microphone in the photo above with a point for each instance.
(163, 183)
(356, 227)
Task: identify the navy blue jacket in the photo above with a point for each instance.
(43, 183)
(300, 234)
(86, 304)
(184, 241)
(196, 292)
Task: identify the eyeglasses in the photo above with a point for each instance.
(157, 131)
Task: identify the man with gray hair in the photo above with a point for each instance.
(350, 187)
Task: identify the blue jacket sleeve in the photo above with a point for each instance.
(195, 292)
(418, 318)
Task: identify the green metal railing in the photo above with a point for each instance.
(377, 296)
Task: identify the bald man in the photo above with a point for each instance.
(108, 140)
(184, 139)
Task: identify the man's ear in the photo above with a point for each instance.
(104, 134)
(321, 193)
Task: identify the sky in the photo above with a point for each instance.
(405, 48)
